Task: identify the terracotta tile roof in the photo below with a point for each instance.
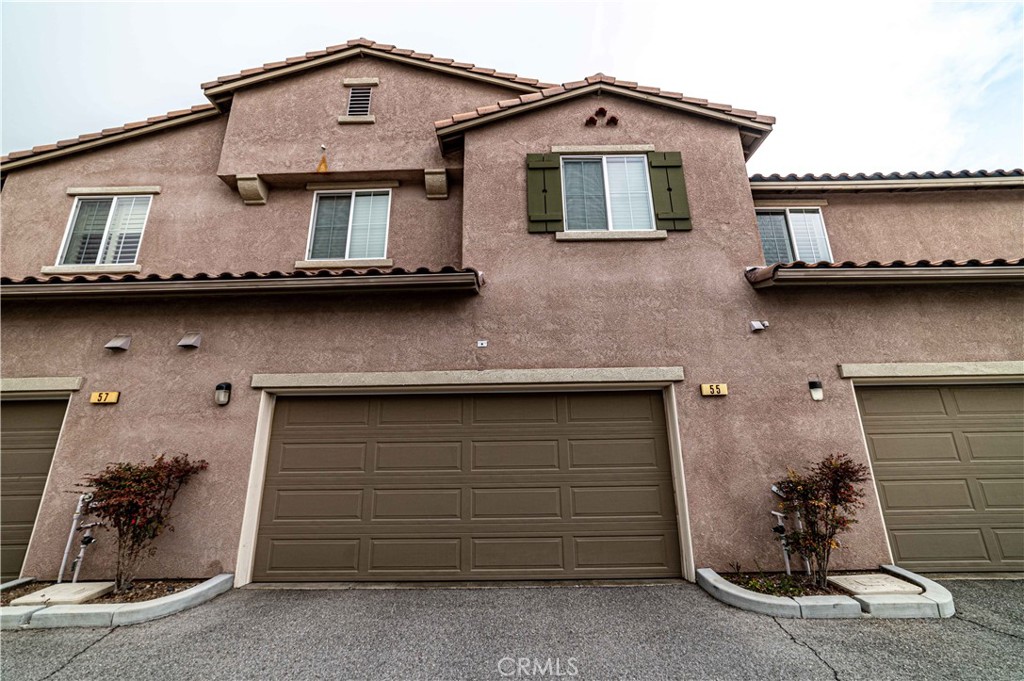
(865, 177)
(109, 134)
(370, 45)
(227, 276)
(132, 285)
(874, 271)
(600, 78)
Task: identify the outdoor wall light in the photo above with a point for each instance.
(817, 392)
(222, 394)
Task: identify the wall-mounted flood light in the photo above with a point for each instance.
(222, 394)
(817, 392)
(759, 325)
(192, 339)
(119, 342)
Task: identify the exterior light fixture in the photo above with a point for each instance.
(222, 394)
(757, 326)
(817, 392)
(192, 339)
(119, 342)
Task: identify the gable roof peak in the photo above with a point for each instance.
(754, 126)
(221, 90)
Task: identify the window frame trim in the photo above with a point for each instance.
(66, 241)
(348, 235)
(607, 193)
(789, 229)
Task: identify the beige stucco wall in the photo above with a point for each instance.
(198, 223)
(279, 127)
(959, 224)
(682, 301)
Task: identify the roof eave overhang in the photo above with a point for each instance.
(449, 136)
(220, 95)
(824, 186)
(77, 148)
(456, 282)
(901, 275)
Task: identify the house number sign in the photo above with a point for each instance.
(107, 397)
(714, 389)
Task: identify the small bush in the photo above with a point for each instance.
(135, 501)
(826, 498)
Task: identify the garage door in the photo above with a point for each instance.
(28, 436)
(468, 487)
(949, 466)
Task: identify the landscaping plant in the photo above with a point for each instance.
(134, 500)
(826, 498)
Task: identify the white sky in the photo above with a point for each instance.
(856, 87)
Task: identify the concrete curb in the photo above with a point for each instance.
(16, 616)
(932, 590)
(114, 614)
(936, 601)
(727, 592)
(828, 607)
(133, 613)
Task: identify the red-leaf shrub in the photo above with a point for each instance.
(134, 500)
(826, 499)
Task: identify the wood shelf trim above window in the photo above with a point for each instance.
(342, 264)
(346, 120)
(91, 269)
(611, 235)
(42, 384)
(363, 82)
(111, 191)
(603, 149)
(365, 184)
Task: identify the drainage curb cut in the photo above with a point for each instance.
(114, 614)
(936, 601)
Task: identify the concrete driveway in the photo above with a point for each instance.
(669, 631)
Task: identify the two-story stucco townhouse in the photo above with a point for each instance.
(465, 317)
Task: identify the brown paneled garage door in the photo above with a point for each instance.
(949, 467)
(28, 436)
(468, 487)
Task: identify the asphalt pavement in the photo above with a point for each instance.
(664, 631)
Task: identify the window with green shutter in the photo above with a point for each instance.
(606, 192)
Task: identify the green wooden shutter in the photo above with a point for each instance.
(544, 192)
(668, 190)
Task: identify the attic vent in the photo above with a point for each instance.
(359, 101)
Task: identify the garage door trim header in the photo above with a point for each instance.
(436, 380)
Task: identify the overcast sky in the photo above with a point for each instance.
(865, 86)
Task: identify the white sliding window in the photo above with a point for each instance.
(349, 225)
(105, 230)
(789, 234)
